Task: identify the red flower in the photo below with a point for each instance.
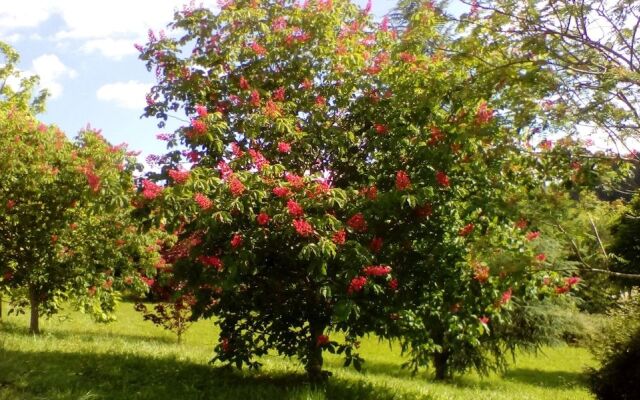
(244, 84)
(443, 179)
(546, 144)
(147, 281)
(376, 244)
(258, 49)
(150, 190)
(484, 320)
(377, 270)
(402, 180)
(295, 210)
(254, 98)
(480, 272)
(436, 135)
(562, 289)
(281, 191)
(294, 180)
(236, 241)
(357, 223)
(258, 159)
(236, 149)
(370, 193)
(11, 204)
(302, 227)
(322, 340)
(73, 226)
(424, 210)
(407, 57)
(321, 101)
(225, 170)
(203, 201)
(272, 109)
(466, 230)
(201, 110)
(54, 239)
(357, 284)
(393, 284)
(178, 176)
(198, 126)
(307, 84)
(224, 345)
(340, 237)
(236, 187)
(284, 147)
(278, 94)
(263, 218)
(483, 114)
(506, 296)
(532, 235)
(381, 129)
(93, 180)
(541, 257)
(572, 280)
(522, 223)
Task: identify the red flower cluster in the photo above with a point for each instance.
(376, 244)
(322, 340)
(340, 237)
(541, 257)
(92, 179)
(10, 204)
(272, 109)
(480, 272)
(307, 84)
(506, 296)
(484, 320)
(442, 179)
(236, 241)
(278, 94)
(532, 235)
(377, 270)
(357, 223)
(258, 159)
(244, 84)
(258, 49)
(466, 230)
(284, 147)
(236, 187)
(303, 227)
(236, 149)
(357, 284)
(424, 210)
(263, 218)
(178, 176)
(254, 98)
(381, 129)
(436, 136)
(321, 101)
(211, 261)
(150, 190)
(203, 201)
(407, 57)
(225, 170)
(484, 114)
(522, 223)
(370, 193)
(198, 127)
(393, 284)
(281, 191)
(295, 210)
(572, 280)
(201, 110)
(402, 180)
(294, 180)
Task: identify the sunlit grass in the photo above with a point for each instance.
(132, 359)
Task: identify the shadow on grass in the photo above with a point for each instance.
(59, 375)
(92, 336)
(551, 379)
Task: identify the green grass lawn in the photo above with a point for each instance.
(132, 359)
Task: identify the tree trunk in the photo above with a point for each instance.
(34, 301)
(314, 354)
(0, 307)
(440, 363)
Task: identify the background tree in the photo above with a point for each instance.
(66, 219)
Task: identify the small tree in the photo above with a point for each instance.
(65, 216)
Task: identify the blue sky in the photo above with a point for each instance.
(84, 53)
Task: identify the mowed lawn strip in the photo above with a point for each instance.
(76, 358)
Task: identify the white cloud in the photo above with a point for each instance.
(110, 48)
(13, 38)
(103, 26)
(51, 71)
(129, 94)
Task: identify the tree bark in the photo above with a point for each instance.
(314, 354)
(440, 362)
(34, 302)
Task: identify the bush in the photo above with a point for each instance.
(619, 351)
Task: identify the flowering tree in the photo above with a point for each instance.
(65, 216)
(343, 179)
